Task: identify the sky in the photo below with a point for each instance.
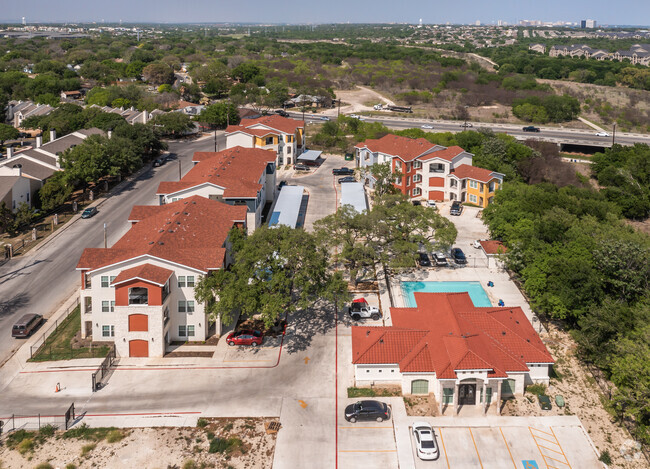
(625, 12)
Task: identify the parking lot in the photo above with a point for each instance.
(529, 443)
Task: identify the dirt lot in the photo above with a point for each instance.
(243, 444)
(583, 398)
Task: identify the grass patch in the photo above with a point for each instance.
(44, 465)
(114, 436)
(84, 432)
(202, 423)
(58, 345)
(372, 392)
(86, 449)
(605, 457)
(25, 446)
(70, 466)
(47, 431)
(15, 438)
(225, 446)
(537, 389)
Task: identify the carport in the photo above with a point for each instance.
(309, 157)
(287, 207)
(352, 193)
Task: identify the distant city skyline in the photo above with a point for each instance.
(627, 12)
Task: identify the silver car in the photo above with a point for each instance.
(425, 441)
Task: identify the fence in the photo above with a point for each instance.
(38, 421)
(100, 377)
(33, 350)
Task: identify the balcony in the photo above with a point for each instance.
(138, 296)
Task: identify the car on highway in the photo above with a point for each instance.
(347, 179)
(602, 134)
(367, 410)
(324, 118)
(245, 337)
(531, 128)
(282, 112)
(426, 445)
(427, 126)
(423, 260)
(456, 208)
(301, 167)
(440, 259)
(343, 171)
(89, 212)
(360, 309)
(465, 125)
(355, 116)
(458, 256)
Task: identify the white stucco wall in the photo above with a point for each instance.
(239, 139)
(368, 374)
(204, 190)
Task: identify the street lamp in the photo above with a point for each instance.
(465, 115)
(614, 134)
(215, 138)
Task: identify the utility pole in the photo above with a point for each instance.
(105, 237)
(614, 134)
(215, 139)
(179, 170)
(339, 113)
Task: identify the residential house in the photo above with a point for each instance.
(283, 136)
(541, 48)
(16, 188)
(139, 293)
(236, 176)
(463, 354)
(191, 109)
(430, 171)
(27, 109)
(73, 95)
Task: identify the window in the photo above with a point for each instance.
(288, 150)
(106, 306)
(138, 296)
(181, 281)
(175, 199)
(190, 280)
(105, 282)
(408, 167)
(28, 197)
(181, 331)
(190, 306)
(436, 168)
(190, 331)
(398, 165)
(112, 306)
(408, 180)
(447, 395)
(492, 186)
(108, 331)
(268, 141)
(453, 183)
(398, 181)
(289, 138)
(417, 178)
(473, 184)
(472, 198)
(417, 191)
(182, 306)
(417, 164)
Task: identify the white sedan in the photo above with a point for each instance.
(602, 134)
(427, 126)
(425, 441)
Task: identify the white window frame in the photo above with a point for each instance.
(417, 191)
(182, 331)
(190, 281)
(181, 281)
(417, 178)
(473, 184)
(189, 306)
(417, 164)
(182, 306)
(108, 331)
(106, 306)
(472, 198)
(105, 283)
(190, 330)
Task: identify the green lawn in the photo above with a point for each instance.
(58, 345)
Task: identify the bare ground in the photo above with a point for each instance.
(163, 448)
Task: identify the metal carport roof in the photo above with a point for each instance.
(309, 155)
(287, 207)
(352, 193)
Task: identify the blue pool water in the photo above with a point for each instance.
(475, 290)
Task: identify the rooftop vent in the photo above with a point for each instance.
(171, 231)
(367, 332)
(503, 332)
(150, 242)
(161, 231)
(161, 243)
(186, 213)
(527, 340)
(381, 341)
(178, 222)
(177, 213)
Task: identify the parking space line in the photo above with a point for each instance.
(351, 427)
(542, 431)
(367, 451)
(556, 443)
(546, 439)
(475, 447)
(558, 452)
(556, 460)
(560, 446)
(443, 447)
(508, 448)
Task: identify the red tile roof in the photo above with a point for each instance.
(493, 247)
(447, 333)
(236, 169)
(266, 125)
(405, 148)
(465, 171)
(256, 132)
(447, 154)
(146, 272)
(191, 232)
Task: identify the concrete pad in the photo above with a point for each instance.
(458, 447)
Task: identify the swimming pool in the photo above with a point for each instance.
(475, 290)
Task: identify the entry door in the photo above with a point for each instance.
(467, 394)
(138, 348)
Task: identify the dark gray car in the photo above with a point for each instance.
(367, 410)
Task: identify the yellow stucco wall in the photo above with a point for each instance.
(484, 194)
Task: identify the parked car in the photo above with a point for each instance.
(360, 309)
(602, 134)
(427, 126)
(432, 203)
(89, 212)
(26, 325)
(417, 203)
(301, 167)
(423, 260)
(343, 171)
(282, 184)
(169, 157)
(531, 128)
(544, 402)
(440, 259)
(158, 162)
(367, 410)
(282, 113)
(425, 441)
(476, 244)
(458, 256)
(347, 179)
(456, 208)
(245, 337)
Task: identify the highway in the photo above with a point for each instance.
(547, 134)
(41, 280)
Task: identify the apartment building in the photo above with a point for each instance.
(430, 171)
(283, 136)
(139, 293)
(236, 176)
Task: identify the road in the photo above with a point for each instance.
(40, 281)
(548, 134)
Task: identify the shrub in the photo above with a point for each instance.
(70, 466)
(537, 389)
(47, 430)
(605, 457)
(202, 423)
(218, 445)
(114, 436)
(86, 449)
(25, 446)
(190, 464)
(44, 465)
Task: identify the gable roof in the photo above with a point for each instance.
(146, 272)
(191, 232)
(446, 333)
(465, 171)
(447, 154)
(266, 125)
(236, 169)
(405, 148)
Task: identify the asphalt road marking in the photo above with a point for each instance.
(303, 404)
(477, 453)
(508, 448)
(353, 427)
(442, 440)
(367, 451)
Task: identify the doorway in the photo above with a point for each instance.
(467, 394)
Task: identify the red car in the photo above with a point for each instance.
(245, 337)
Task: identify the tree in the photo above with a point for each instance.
(219, 115)
(6, 218)
(275, 271)
(158, 74)
(7, 132)
(23, 216)
(55, 191)
(384, 178)
(173, 124)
